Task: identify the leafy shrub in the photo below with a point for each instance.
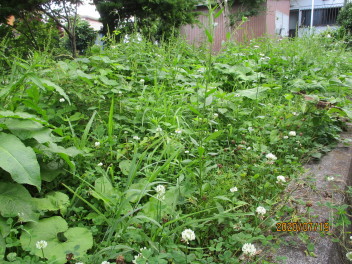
(344, 18)
(85, 36)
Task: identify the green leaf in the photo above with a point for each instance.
(348, 112)
(4, 228)
(137, 190)
(86, 130)
(15, 201)
(53, 201)
(2, 248)
(194, 110)
(104, 186)
(125, 166)
(213, 136)
(61, 239)
(20, 161)
(210, 37)
(52, 147)
(253, 93)
(208, 100)
(224, 198)
(107, 81)
(56, 88)
(25, 129)
(218, 13)
(316, 155)
(22, 115)
(50, 170)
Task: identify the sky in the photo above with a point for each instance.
(88, 10)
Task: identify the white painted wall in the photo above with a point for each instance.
(307, 4)
(316, 30)
(281, 24)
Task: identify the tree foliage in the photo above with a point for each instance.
(85, 36)
(62, 12)
(16, 7)
(151, 17)
(344, 18)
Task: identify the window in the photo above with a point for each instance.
(321, 17)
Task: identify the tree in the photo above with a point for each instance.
(344, 18)
(155, 18)
(85, 36)
(62, 12)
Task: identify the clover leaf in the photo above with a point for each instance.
(61, 240)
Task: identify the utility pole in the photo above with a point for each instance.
(311, 18)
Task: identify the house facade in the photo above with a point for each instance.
(279, 18)
(274, 20)
(325, 13)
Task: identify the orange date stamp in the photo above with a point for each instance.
(302, 227)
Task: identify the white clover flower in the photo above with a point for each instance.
(62, 100)
(233, 189)
(294, 113)
(261, 210)
(141, 81)
(97, 144)
(349, 255)
(79, 263)
(41, 244)
(158, 129)
(136, 257)
(271, 156)
(249, 249)
(216, 115)
(188, 235)
(261, 54)
(256, 47)
(292, 133)
(330, 178)
(100, 164)
(105, 262)
(215, 130)
(249, 148)
(328, 36)
(280, 179)
(160, 192)
(285, 137)
(351, 237)
(178, 131)
(186, 151)
(136, 138)
(119, 93)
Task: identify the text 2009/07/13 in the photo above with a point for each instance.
(302, 226)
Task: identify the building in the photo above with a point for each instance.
(325, 13)
(96, 25)
(280, 18)
(274, 20)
